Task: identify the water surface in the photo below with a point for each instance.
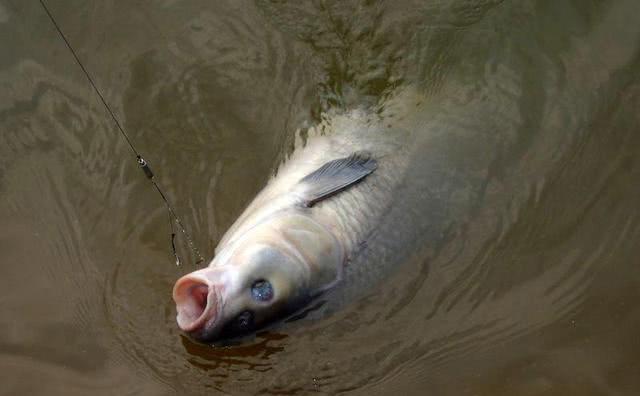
(526, 283)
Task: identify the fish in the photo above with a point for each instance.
(296, 239)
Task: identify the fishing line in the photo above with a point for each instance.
(142, 163)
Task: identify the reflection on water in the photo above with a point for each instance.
(506, 265)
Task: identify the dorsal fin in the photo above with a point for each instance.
(335, 176)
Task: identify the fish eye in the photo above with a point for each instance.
(261, 290)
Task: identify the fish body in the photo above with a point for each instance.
(297, 237)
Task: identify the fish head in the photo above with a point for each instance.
(272, 270)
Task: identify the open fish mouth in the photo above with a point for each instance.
(197, 304)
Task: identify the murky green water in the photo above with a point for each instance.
(524, 276)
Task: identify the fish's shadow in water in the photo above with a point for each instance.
(259, 345)
(251, 351)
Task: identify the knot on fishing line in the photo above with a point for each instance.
(145, 167)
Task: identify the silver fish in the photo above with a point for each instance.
(294, 241)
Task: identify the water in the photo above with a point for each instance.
(527, 283)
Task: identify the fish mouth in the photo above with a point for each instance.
(197, 304)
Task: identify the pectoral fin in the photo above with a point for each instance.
(335, 176)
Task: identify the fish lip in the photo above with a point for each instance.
(210, 315)
(208, 330)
